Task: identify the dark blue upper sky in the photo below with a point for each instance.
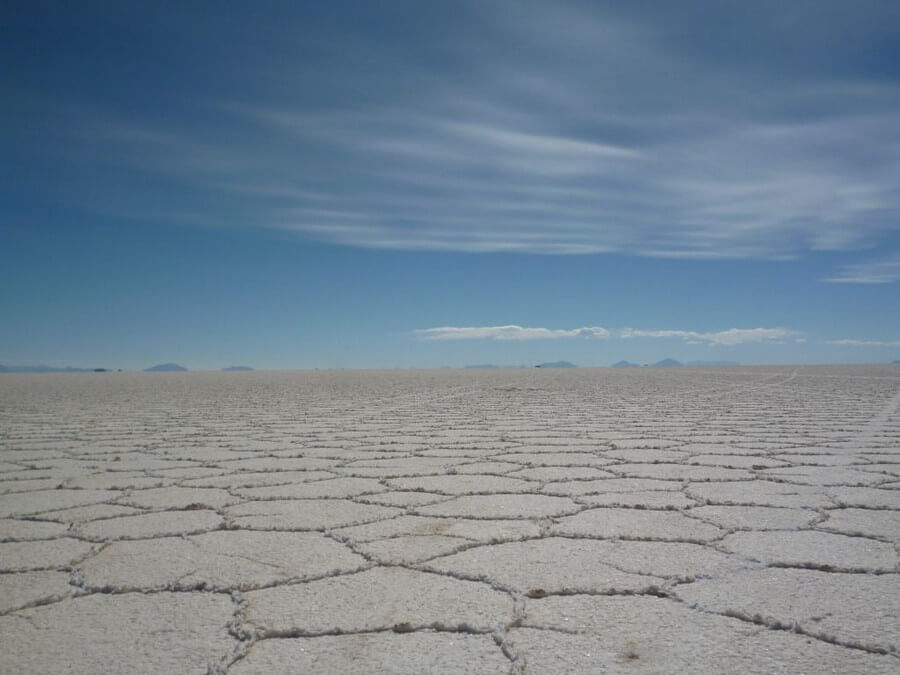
(369, 184)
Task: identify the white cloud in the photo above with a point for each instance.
(732, 336)
(535, 192)
(537, 146)
(872, 272)
(509, 333)
(865, 343)
(597, 133)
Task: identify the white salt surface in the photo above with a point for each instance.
(643, 521)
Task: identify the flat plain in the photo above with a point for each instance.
(670, 520)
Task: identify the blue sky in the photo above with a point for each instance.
(357, 184)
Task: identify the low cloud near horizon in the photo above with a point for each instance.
(865, 343)
(732, 336)
(509, 333)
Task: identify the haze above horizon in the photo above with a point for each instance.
(326, 185)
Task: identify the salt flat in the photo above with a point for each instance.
(579, 521)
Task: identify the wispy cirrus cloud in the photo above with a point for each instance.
(871, 272)
(560, 128)
(732, 336)
(509, 333)
(865, 343)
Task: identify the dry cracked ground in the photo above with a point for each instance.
(588, 521)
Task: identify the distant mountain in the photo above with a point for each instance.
(165, 368)
(234, 369)
(667, 363)
(625, 364)
(49, 369)
(895, 361)
(713, 363)
(556, 364)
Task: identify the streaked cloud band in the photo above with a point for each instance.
(865, 343)
(509, 333)
(871, 272)
(605, 131)
(732, 336)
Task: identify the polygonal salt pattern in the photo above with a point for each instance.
(440, 653)
(649, 521)
(544, 566)
(857, 609)
(221, 560)
(382, 598)
(585, 634)
(882, 524)
(615, 523)
(28, 589)
(126, 633)
(813, 549)
(149, 525)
